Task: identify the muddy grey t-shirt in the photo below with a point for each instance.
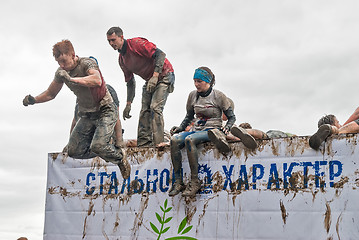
(208, 110)
(89, 99)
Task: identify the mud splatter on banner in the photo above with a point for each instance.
(281, 190)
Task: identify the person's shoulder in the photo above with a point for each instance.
(86, 59)
(216, 91)
(88, 62)
(219, 93)
(192, 97)
(137, 40)
(192, 93)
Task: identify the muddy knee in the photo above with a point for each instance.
(190, 143)
(73, 151)
(97, 147)
(176, 142)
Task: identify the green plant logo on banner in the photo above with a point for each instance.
(163, 220)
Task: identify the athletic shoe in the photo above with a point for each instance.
(323, 132)
(245, 137)
(124, 165)
(219, 139)
(177, 187)
(192, 188)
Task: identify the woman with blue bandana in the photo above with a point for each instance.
(205, 107)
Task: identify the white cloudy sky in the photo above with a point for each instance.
(284, 63)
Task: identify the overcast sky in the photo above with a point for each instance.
(284, 63)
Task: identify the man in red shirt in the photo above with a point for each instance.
(141, 57)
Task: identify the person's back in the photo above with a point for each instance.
(277, 134)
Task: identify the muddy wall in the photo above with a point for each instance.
(282, 190)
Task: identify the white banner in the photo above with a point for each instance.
(282, 190)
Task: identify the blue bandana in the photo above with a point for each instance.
(202, 75)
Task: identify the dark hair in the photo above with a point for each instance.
(63, 47)
(326, 119)
(213, 81)
(115, 30)
(245, 126)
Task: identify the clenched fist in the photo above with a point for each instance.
(28, 100)
(126, 112)
(175, 130)
(62, 73)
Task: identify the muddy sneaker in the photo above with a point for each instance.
(323, 132)
(192, 188)
(219, 139)
(177, 187)
(124, 165)
(246, 138)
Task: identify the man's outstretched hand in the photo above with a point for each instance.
(28, 100)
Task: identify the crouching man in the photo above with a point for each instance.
(98, 114)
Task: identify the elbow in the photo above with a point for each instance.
(234, 118)
(98, 82)
(51, 96)
(95, 79)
